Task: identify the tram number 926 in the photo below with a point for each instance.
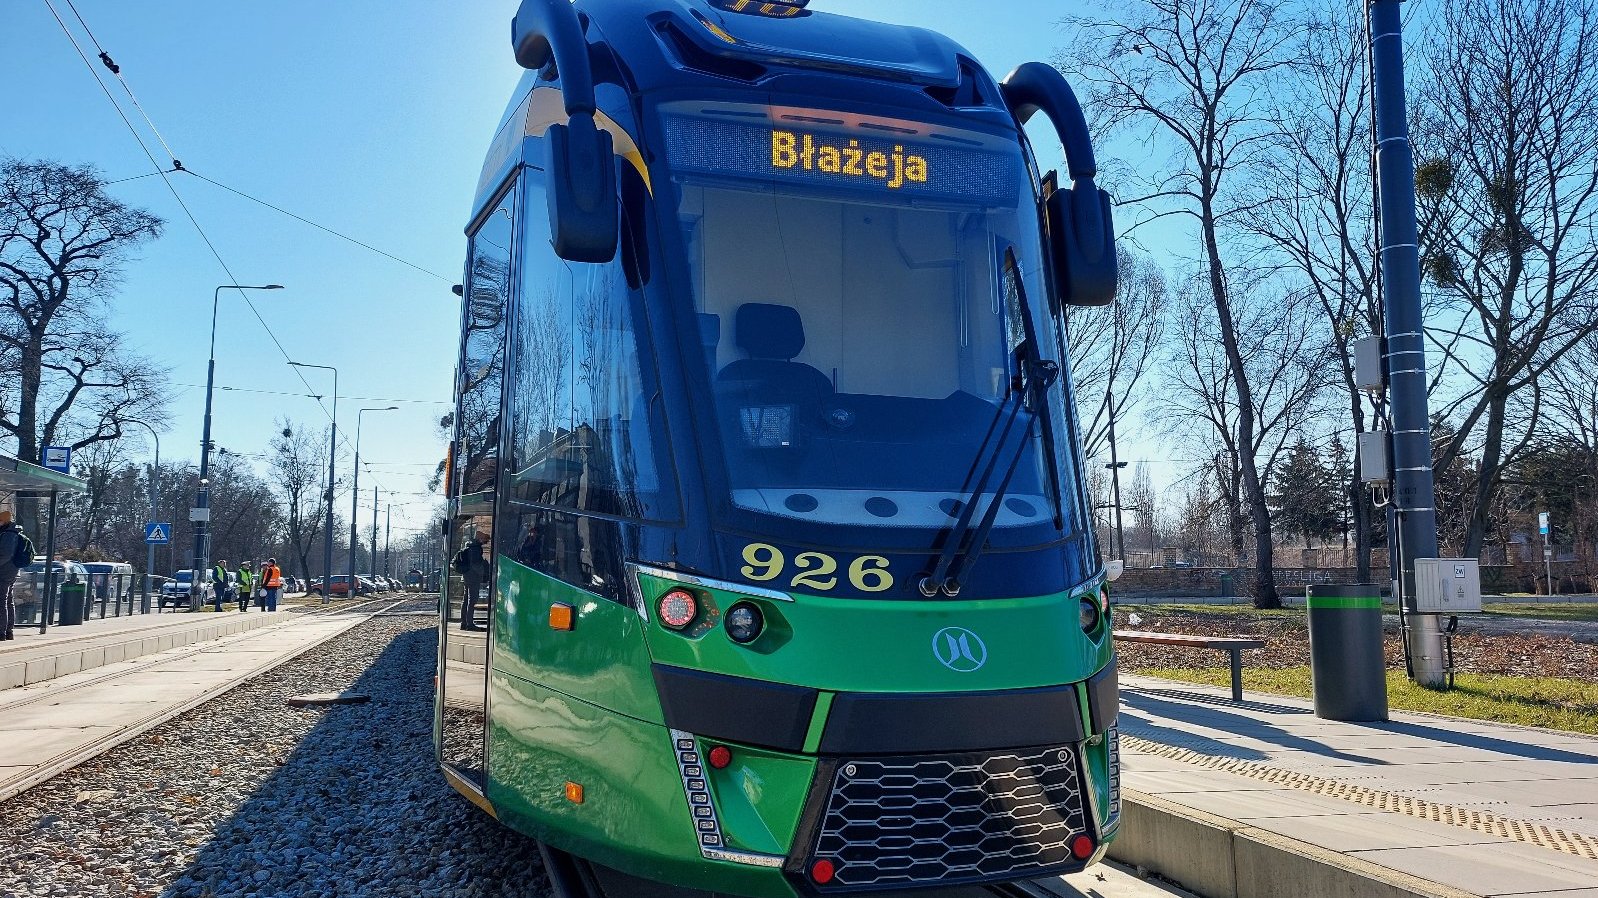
(814, 570)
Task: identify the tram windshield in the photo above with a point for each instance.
(868, 295)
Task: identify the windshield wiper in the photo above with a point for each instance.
(960, 554)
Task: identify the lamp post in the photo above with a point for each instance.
(374, 528)
(332, 450)
(202, 495)
(155, 506)
(355, 493)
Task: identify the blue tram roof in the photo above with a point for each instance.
(777, 48)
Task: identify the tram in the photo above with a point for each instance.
(771, 569)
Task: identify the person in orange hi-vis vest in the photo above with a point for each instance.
(272, 580)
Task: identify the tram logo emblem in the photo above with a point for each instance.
(959, 649)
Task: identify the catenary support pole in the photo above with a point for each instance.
(1414, 498)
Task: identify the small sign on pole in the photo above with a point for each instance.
(58, 458)
(1542, 523)
(157, 534)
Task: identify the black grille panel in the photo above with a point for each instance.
(951, 818)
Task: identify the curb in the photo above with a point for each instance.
(1221, 858)
(139, 642)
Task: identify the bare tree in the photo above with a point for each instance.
(1112, 348)
(1313, 207)
(1194, 73)
(63, 241)
(1283, 354)
(1508, 197)
(298, 458)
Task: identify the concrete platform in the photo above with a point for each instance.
(34, 658)
(54, 724)
(1263, 798)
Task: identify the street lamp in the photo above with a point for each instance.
(155, 506)
(332, 450)
(355, 498)
(202, 497)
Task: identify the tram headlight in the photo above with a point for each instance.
(1089, 613)
(678, 608)
(744, 622)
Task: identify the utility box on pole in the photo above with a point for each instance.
(1447, 586)
(1373, 466)
(1368, 375)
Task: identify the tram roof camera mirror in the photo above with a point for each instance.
(583, 216)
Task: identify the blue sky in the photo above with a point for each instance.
(368, 117)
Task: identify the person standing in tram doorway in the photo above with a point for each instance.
(473, 568)
(16, 553)
(272, 580)
(246, 585)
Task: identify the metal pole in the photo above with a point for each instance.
(1115, 479)
(1414, 497)
(355, 498)
(47, 603)
(355, 492)
(155, 511)
(202, 495)
(332, 451)
(388, 540)
(374, 528)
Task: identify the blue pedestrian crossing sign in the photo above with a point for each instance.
(155, 533)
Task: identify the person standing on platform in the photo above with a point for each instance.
(272, 580)
(219, 585)
(246, 585)
(16, 553)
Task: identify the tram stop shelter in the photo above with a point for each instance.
(27, 481)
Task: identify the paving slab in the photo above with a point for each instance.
(1487, 809)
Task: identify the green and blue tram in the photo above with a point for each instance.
(771, 569)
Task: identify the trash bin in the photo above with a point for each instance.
(1347, 662)
(72, 597)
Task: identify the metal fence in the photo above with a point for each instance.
(107, 595)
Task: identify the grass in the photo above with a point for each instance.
(1556, 703)
(1548, 611)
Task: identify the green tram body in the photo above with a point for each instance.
(793, 192)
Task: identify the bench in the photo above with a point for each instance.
(1233, 645)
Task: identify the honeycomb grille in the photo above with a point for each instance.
(951, 819)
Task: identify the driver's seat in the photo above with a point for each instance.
(772, 336)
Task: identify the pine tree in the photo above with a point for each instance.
(1304, 497)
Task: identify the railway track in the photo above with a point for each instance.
(63, 691)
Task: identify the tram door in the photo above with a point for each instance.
(470, 567)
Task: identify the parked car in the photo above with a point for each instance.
(109, 581)
(176, 590)
(293, 585)
(340, 586)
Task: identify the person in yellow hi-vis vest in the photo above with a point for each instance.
(246, 585)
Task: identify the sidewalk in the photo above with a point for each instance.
(54, 725)
(1482, 808)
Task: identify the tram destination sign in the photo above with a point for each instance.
(855, 160)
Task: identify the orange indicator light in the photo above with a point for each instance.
(574, 793)
(560, 616)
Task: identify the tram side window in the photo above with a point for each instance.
(482, 366)
(585, 434)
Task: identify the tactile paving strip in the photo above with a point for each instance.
(1577, 844)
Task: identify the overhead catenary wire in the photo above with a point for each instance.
(178, 197)
(177, 165)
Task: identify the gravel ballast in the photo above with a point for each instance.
(247, 796)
